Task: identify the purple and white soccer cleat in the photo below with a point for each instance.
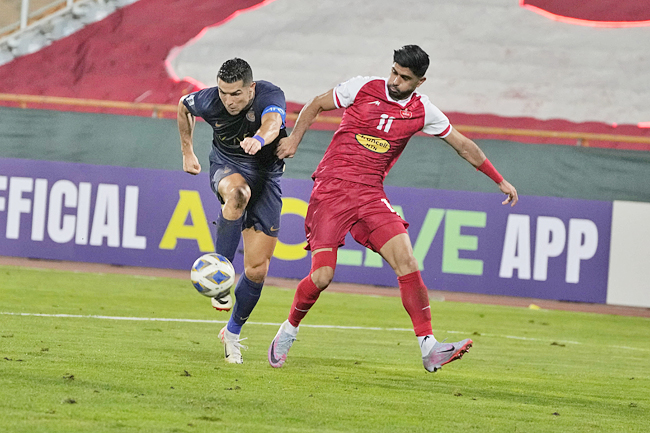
(280, 347)
(444, 353)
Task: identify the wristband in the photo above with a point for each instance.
(490, 171)
(260, 139)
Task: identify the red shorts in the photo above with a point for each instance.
(337, 207)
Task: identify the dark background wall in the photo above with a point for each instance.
(542, 170)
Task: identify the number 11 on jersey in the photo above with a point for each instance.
(383, 121)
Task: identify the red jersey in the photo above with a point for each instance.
(374, 130)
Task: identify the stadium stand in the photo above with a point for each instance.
(534, 73)
(28, 26)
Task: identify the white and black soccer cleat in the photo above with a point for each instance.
(223, 302)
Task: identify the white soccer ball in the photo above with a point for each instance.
(212, 275)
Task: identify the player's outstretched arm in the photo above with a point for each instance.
(186, 122)
(269, 131)
(289, 145)
(470, 151)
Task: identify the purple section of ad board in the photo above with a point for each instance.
(158, 196)
(476, 252)
(547, 248)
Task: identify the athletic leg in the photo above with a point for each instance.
(258, 250)
(235, 194)
(331, 213)
(398, 252)
(309, 289)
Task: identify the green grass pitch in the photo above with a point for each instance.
(82, 352)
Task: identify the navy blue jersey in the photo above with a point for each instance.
(229, 130)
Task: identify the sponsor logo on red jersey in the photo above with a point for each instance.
(377, 145)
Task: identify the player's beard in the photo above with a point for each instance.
(397, 95)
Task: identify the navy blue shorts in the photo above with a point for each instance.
(263, 210)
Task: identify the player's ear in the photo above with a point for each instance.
(422, 80)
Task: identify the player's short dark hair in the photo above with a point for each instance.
(412, 57)
(234, 70)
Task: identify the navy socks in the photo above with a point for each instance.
(228, 235)
(247, 293)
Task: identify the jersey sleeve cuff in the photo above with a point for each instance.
(445, 133)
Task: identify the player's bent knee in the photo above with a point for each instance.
(323, 264)
(235, 196)
(322, 277)
(258, 273)
(406, 265)
(239, 196)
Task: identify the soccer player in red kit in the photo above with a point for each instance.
(380, 117)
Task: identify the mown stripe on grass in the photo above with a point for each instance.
(362, 328)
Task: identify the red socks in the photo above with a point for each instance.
(306, 295)
(415, 299)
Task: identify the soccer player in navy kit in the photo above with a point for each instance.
(380, 116)
(248, 120)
